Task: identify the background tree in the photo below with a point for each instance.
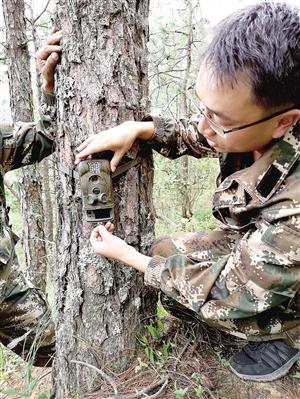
(102, 82)
(175, 47)
(21, 102)
(35, 21)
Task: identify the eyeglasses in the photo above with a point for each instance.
(219, 129)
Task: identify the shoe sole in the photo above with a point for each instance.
(282, 371)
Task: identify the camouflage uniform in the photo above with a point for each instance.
(243, 277)
(25, 318)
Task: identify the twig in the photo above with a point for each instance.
(11, 189)
(181, 353)
(44, 375)
(143, 393)
(210, 392)
(155, 395)
(39, 16)
(103, 375)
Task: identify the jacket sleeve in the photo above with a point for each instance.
(173, 138)
(261, 272)
(26, 143)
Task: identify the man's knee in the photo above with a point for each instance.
(25, 324)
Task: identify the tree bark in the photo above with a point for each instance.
(45, 164)
(187, 204)
(101, 304)
(21, 103)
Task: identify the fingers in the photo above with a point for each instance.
(115, 160)
(88, 150)
(52, 30)
(109, 227)
(48, 56)
(50, 65)
(45, 51)
(95, 235)
(85, 143)
(79, 157)
(99, 233)
(102, 230)
(55, 37)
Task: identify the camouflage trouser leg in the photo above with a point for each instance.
(291, 336)
(222, 242)
(25, 321)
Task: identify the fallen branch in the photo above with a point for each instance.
(144, 392)
(103, 375)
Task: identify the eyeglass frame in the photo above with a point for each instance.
(213, 124)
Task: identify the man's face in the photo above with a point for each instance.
(231, 107)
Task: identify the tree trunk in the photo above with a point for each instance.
(45, 164)
(101, 304)
(187, 205)
(21, 103)
(48, 205)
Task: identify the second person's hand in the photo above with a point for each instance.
(47, 59)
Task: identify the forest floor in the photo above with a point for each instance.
(182, 363)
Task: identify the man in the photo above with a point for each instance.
(244, 277)
(25, 318)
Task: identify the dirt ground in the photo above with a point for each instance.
(196, 366)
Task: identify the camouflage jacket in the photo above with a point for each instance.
(21, 144)
(260, 201)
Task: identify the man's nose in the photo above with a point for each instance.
(204, 127)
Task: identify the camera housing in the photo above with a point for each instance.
(97, 191)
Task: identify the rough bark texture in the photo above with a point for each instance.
(21, 103)
(46, 163)
(102, 81)
(187, 203)
(48, 204)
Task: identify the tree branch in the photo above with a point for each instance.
(143, 393)
(11, 189)
(103, 375)
(44, 10)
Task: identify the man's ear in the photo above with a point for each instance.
(286, 121)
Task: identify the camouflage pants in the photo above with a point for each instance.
(223, 242)
(25, 318)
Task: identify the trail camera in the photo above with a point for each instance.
(96, 188)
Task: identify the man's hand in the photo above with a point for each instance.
(119, 139)
(106, 244)
(47, 58)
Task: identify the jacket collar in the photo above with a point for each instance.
(263, 178)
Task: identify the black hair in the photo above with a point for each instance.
(262, 43)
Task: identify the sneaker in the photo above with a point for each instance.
(264, 361)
